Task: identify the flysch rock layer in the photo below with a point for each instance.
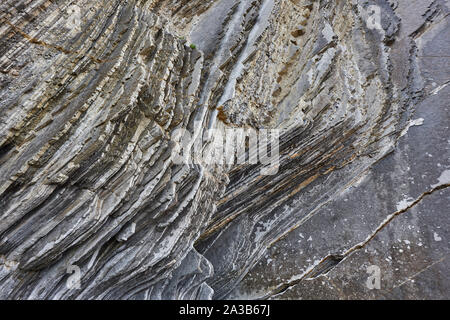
(94, 205)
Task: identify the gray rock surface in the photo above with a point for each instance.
(94, 205)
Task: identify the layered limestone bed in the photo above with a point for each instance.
(94, 203)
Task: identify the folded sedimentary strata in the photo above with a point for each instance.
(92, 92)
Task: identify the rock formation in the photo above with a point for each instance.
(94, 205)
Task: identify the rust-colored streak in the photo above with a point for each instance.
(304, 184)
(221, 115)
(49, 45)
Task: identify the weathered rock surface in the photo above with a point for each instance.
(92, 93)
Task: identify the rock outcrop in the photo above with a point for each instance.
(95, 204)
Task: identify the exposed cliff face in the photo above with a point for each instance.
(93, 203)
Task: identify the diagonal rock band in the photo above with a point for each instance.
(224, 149)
